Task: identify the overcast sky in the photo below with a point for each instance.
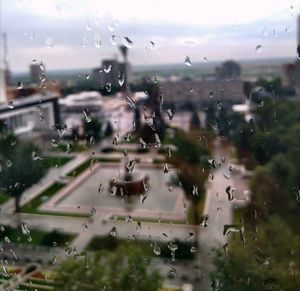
(77, 34)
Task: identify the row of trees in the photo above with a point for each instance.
(272, 241)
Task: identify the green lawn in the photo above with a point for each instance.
(74, 148)
(81, 168)
(33, 205)
(4, 198)
(111, 243)
(38, 237)
(154, 220)
(55, 161)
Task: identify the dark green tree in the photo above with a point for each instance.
(93, 128)
(267, 261)
(195, 120)
(20, 167)
(125, 269)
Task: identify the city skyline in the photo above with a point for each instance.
(72, 35)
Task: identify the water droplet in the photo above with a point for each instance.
(121, 79)
(87, 76)
(172, 246)
(84, 41)
(113, 231)
(225, 248)
(189, 43)
(298, 51)
(219, 105)
(107, 69)
(93, 211)
(128, 219)
(265, 32)
(35, 156)
(87, 115)
(92, 140)
(130, 166)
(212, 163)
(10, 105)
(152, 45)
(142, 143)
(113, 40)
(195, 190)
(288, 29)
(108, 87)
(20, 85)
(88, 26)
(156, 250)
(230, 192)
(97, 40)
(8, 163)
(25, 229)
(259, 49)
(166, 169)
(5, 272)
(193, 249)
(143, 198)
(7, 240)
(130, 102)
(157, 143)
(172, 272)
(205, 59)
(49, 42)
(187, 61)
(127, 42)
(170, 113)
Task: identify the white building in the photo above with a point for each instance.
(34, 113)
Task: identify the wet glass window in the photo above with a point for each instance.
(150, 145)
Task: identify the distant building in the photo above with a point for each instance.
(179, 93)
(37, 73)
(35, 113)
(112, 72)
(228, 70)
(76, 103)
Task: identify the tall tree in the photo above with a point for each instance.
(20, 164)
(122, 270)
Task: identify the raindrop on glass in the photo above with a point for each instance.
(127, 42)
(25, 229)
(187, 61)
(87, 115)
(113, 40)
(49, 42)
(10, 105)
(20, 85)
(259, 49)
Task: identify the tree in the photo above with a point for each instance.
(93, 128)
(195, 120)
(109, 130)
(268, 261)
(20, 169)
(125, 269)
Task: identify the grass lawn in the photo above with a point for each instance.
(4, 198)
(154, 220)
(33, 205)
(38, 237)
(74, 148)
(81, 168)
(111, 243)
(56, 161)
(238, 214)
(199, 208)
